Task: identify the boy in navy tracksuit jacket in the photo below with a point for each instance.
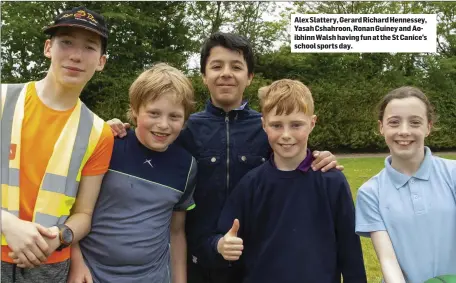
(227, 140)
(285, 222)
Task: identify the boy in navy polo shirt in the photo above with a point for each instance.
(287, 223)
(138, 225)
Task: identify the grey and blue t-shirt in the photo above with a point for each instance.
(130, 236)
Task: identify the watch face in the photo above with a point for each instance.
(67, 236)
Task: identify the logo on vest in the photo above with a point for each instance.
(12, 154)
(148, 161)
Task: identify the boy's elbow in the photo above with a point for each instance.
(176, 230)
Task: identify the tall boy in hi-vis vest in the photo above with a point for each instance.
(54, 153)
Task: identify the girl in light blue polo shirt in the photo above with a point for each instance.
(409, 208)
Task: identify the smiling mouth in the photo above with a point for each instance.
(74, 69)
(403, 142)
(286, 145)
(161, 135)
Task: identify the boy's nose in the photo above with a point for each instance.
(76, 55)
(226, 71)
(286, 137)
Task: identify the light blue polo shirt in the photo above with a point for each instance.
(419, 213)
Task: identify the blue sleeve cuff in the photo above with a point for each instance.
(364, 230)
(214, 241)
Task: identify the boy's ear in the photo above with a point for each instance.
(47, 48)
(250, 78)
(203, 76)
(262, 123)
(101, 63)
(314, 120)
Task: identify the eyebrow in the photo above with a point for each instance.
(294, 121)
(93, 41)
(221, 61)
(413, 116)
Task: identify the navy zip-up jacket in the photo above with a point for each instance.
(226, 146)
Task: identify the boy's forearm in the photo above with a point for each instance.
(179, 256)
(80, 220)
(349, 244)
(80, 224)
(352, 264)
(350, 252)
(76, 254)
(7, 218)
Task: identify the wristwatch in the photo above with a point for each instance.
(65, 236)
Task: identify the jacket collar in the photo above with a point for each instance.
(211, 108)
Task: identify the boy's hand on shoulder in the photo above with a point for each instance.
(230, 246)
(118, 127)
(325, 160)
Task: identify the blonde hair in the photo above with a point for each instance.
(156, 82)
(288, 96)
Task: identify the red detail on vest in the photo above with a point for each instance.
(12, 154)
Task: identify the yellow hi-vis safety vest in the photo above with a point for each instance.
(74, 146)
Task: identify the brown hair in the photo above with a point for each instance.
(161, 79)
(405, 92)
(287, 95)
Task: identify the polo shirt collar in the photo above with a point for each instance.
(304, 166)
(423, 173)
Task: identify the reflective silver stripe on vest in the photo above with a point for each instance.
(58, 184)
(79, 149)
(7, 175)
(49, 220)
(13, 177)
(68, 185)
(13, 92)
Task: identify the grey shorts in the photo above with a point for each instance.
(46, 273)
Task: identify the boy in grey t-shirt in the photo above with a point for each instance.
(138, 224)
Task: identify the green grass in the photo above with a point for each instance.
(359, 170)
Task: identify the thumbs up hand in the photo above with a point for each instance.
(230, 246)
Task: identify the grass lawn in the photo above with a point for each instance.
(359, 170)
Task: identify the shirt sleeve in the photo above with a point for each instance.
(349, 252)
(186, 201)
(368, 218)
(236, 207)
(98, 162)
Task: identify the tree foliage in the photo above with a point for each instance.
(346, 87)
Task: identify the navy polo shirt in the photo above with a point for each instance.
(130, 236)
